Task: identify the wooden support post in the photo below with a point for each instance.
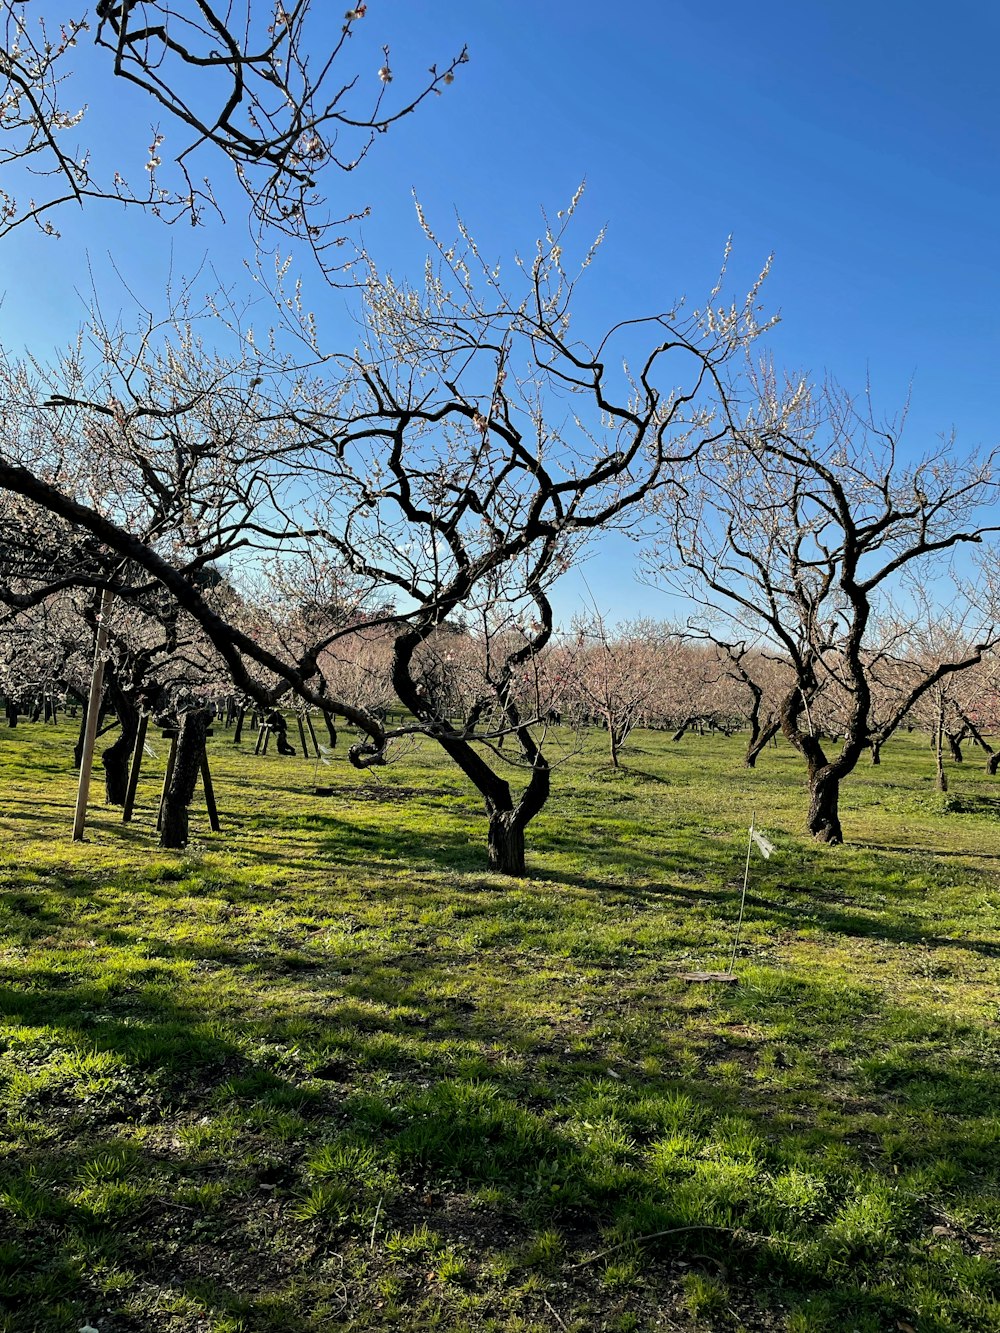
(93, 711)
(133, 773)
(171, 759)
(210, 806)
(302, 736)
(267, 738)
(260, 738)
(312, 733)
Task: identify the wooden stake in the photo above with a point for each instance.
(133, 773)
(302, 736)
(93, 709)
(206, 778)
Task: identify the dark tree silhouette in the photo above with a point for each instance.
(288, 94)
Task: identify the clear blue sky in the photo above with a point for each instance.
(859, 142)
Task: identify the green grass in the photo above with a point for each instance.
(324, 1071)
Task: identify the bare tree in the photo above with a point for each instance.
(804, 527)
(617, 675)
(760, 680)
(976, 706)
(948, 712)
(454, 462)
(286, 95)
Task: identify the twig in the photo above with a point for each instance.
(656, 1235)
(378, 1209)
(554, 1312)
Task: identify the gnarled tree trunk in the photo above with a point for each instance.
(679, 733)
(187, 767)
(505, 842)
(615, 742)
(116, 757)
(759, 737)
(823, 821)
(507, 819)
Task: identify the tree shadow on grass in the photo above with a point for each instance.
(826, 906)
(434, 1077)
(642, 877)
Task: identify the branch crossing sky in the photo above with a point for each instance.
(858, 142)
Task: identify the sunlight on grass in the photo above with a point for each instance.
(324, 1071)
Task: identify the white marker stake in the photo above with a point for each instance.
(765, 848)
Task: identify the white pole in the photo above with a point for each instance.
(93, 712)
(743, 898)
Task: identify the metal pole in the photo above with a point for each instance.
(93, 709)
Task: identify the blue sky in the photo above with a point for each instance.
(859, 143)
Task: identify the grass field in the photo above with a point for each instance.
(322, 1071)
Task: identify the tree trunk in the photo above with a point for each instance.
(613, 744)
(824, 802)
(115, 760)
(238, 733)
(754, 744)
(507, 820)
(940, 778)
(759, 737)
(876, 752)
(78, 747)
(993, 763)
(954, 746)
(116, 757)
(187, 767)
(505, 843)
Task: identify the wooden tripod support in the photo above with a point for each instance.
(170, 734)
